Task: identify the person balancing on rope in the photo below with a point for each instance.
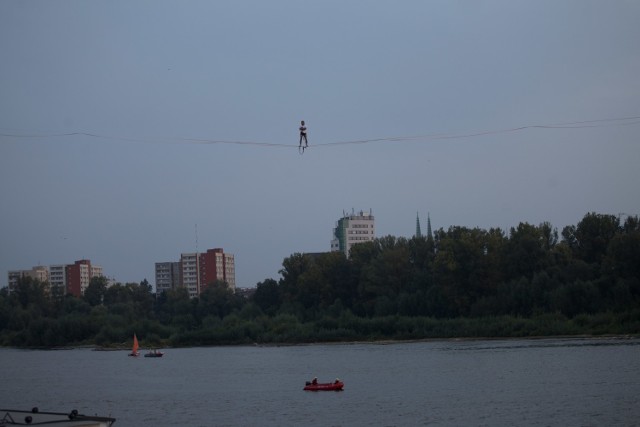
(303, 135)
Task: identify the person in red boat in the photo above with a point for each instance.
(314, 381)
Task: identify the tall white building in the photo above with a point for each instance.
(58, 277)
(352, 229)
(189, 273)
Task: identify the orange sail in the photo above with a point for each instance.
(134, 350)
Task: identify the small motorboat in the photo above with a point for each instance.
(337, 385)
(154, 353)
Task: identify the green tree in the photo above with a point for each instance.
(71, 304)
(117, 293)
(324, 280)
(173, 304)
(463, 267)
(528, 249)
(32, 293)
(421, 252)
(94, 293)
(361, 259)
(217, 300)
(593, 234)
(292, 268)
(143, 298)
(132, 299)
(623, 255)
(267, 296)
(576, 298)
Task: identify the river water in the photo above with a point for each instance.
(546, 382)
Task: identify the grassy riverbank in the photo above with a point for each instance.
(349, 328)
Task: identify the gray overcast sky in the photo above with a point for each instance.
(147, 76)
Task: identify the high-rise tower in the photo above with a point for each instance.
(352, 229)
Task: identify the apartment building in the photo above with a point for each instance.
(195, 271)
(79, 275)
(352, 229)
(215, 265)
(58, 278)
(63, 278)
(189, 273)
(167, 276)
(39, 273)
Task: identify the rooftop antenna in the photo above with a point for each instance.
(196, 237)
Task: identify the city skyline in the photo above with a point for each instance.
(114, 277)
(125, 124)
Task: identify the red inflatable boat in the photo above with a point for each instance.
(334, 386)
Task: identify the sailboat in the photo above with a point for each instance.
(134, 350)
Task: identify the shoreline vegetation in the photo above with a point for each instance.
(459, 283)
(604, 337)
(577, 338)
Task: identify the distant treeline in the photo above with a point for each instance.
(460, 282)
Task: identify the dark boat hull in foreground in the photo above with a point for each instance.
(9, 417)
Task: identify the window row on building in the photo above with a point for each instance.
(360, 232)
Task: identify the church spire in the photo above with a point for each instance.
(429, 233)
(418, 232)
